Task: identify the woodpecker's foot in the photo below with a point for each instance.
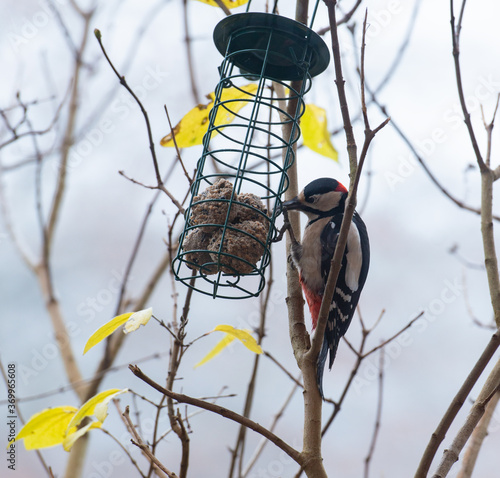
(286, 226)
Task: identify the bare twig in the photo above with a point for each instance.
(137, 441)
(152, 149)
(224, 412)
(477, 438)
(263, 442)
(239, 448)
(355, 174)
(455, 35)
(455, 406)
(189, 54)
(488, 391)
(396, 335)
(284, 369)
(376, 428)
(124, 449)
(179, 156)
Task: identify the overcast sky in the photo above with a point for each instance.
(412, 227)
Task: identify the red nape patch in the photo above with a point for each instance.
(341, 188)
(313, 301)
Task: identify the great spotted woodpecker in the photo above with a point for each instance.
(323, 201)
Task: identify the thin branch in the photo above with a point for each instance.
(402, 48)
(223, 7)
(376, 428)
(239, 448)
(59, 390)
(477, 438)
(455, 35)
(284, 369)
(124, 83)
(355, 174)
(422, 163)
(137, 441)
(189, 53)
(343, 20)
(179, 156)
(224, 412)
(105, 100)
(263, 442)
(396, 335)
(124, 449)
(439, 434)
(488, 391)
(160, 187)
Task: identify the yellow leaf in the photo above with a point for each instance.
(227, 3)
(193, 126)
(132, 321)
(71, 438)
(231, 333)
(137, 319)
(315, 132)
(243, 335)
(46, 428)
(107, 329)
(221, 345)
(97, 406)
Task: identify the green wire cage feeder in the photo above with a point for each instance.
(242, 172)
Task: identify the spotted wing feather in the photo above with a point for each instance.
(345, 298)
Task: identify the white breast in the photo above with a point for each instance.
(354, 258)
(310, 262)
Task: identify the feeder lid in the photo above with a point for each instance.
(244, 38)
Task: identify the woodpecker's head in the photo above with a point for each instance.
(321, 197)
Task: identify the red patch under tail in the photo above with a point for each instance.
(313, 301)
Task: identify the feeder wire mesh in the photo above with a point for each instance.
(241, 175)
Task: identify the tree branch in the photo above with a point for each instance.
(224, 412)
(451, 455)
(439, 434)
(477, 438)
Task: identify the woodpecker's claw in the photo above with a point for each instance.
(286, 226)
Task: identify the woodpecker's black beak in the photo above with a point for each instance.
(294, 203)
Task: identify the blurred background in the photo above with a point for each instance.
(426, 251)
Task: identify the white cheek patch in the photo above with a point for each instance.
(354, 259)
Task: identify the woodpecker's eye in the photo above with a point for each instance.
(312, 199)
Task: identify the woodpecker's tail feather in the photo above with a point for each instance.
(328, 345)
